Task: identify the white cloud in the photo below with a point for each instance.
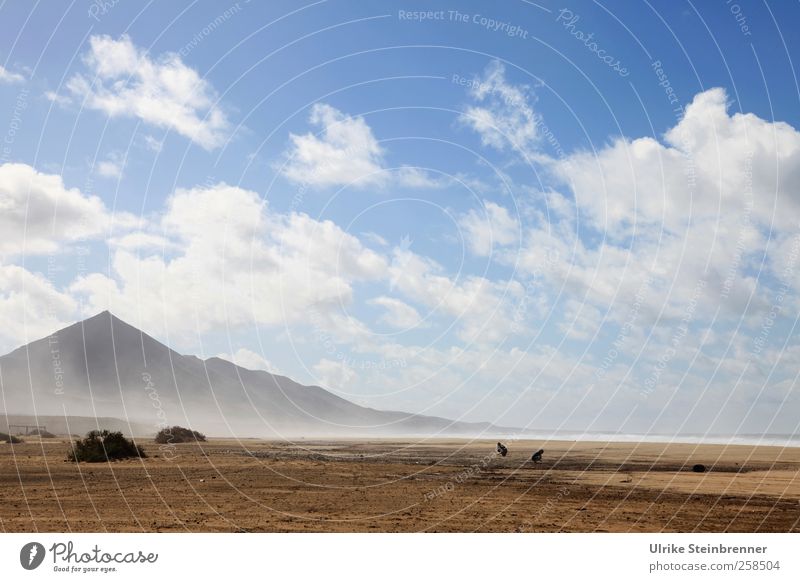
(504, 116)
(124, 81)
(334, 375)
(231, 261)
(7, 76)
(482, 309)
(700, 204)
(581, 321)
(345, 152)
(411, 177)
(38, 212)
(375, 238)
(153, 144)
(30, 307)
(489, 228)
(141, 241)
(398, 314)
(112, 166)
(709, 165)
(57, 99)
(250, 360)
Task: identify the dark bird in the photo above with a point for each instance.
(502, 449)
(537, 456)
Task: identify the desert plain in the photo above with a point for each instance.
(387, 485)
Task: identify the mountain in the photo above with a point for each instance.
(104, 367)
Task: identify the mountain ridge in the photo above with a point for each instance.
(105, 367)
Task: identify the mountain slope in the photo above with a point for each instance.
(105, 367)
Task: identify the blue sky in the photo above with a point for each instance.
(577, 216)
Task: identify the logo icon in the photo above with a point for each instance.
(31, 555)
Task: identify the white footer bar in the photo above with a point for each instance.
(371, 557)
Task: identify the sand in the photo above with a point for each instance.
(403, 486)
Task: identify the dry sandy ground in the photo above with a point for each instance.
(390, 486)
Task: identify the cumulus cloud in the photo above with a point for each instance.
(334, 375)
(141, 241)
(112, 166)
(491, 227)
(503, 115)
(153, 144)
(38, 212)
(666, 243)
(482, 309)
(30, 307)
(580, 320)
(397, 313)
(7, 76)
(230, 261)
(710, 163)
(125, 81)
(345, 152)
(707, 206)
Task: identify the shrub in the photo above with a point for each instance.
(100, 446)
(178, 434)
(45, 434)
(9, 438)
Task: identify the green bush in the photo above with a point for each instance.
(100, 446)
(178, 434)
(8, 438)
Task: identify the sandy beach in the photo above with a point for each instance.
(403, 486)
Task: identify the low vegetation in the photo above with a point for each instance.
(100, 446)
(179, 434)
(9, 438)
(45, 434)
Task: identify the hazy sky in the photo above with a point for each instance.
(576, 215)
